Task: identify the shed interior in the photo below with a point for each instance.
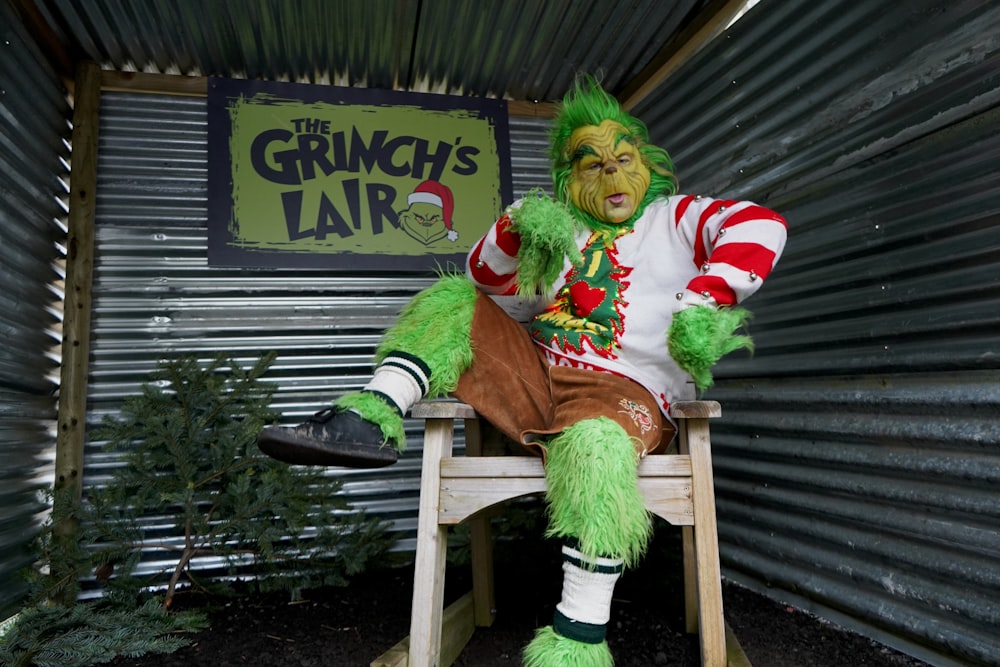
(858, 458)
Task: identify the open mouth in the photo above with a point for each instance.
(617, 199)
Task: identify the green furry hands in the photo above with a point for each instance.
(547, 231)
(702, 335)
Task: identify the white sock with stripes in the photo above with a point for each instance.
(588, 586)
(401, 378)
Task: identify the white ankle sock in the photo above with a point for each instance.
(588, 586)
(402, 378)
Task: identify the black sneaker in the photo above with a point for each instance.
(331, 437)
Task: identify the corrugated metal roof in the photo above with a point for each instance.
(521, 49)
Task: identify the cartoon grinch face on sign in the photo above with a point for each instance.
(428, 216)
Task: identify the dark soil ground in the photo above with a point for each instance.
(351, 626)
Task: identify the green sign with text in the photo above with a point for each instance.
(310, 176)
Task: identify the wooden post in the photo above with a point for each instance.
(70, 436)
(432, 543)
(481, 542)
(711, 625)
(432, 537)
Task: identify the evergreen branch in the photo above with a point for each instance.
(239, 464)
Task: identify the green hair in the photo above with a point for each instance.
(588, 104)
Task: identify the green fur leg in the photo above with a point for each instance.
(550, 649)
(373, 408)
(593, 493)
(548, 237)
(702, 335)
(436, 326)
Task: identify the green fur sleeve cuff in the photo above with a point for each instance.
(701, 335)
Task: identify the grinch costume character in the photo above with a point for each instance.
(588, 314)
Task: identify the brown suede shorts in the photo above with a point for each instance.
(512, 386)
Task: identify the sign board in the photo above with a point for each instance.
(328, 177)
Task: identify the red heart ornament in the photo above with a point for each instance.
(585, 299)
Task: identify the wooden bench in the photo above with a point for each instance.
(678, 488)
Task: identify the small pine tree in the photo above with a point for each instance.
(189, 460)
(190, 454)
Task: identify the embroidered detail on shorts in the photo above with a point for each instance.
(638, 413)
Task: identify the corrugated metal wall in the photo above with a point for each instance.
(33, 155)
(858, 458)
(155, 296)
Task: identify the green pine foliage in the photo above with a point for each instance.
(92, 633)
(191, 484)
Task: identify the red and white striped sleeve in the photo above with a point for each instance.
(492, 263)
(736, 245)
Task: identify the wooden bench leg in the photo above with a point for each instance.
(711, 625)
(481, 537)
(480, 543)
(432, 544)
(438, 636)
(690, 580)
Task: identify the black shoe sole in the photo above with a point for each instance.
(284, 445)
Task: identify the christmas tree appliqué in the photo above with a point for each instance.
(587, 312)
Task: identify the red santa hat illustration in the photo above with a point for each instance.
(438, 194)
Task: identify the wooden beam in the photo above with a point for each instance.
(77, 300)
(735, 655)
(164, 84)
(695, 410)
(457, 628)
(532, 109)
(442, 410)
(709, 24)
(79, 279)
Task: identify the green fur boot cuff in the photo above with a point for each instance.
(550, 649)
